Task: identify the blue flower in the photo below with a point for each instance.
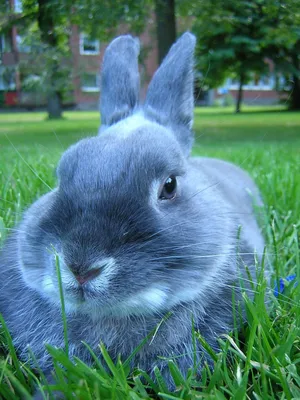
(279, 288)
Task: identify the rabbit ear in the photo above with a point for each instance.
(170, 98)
(120, 82)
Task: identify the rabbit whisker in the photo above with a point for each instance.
(196, 256)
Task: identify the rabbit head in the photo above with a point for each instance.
(124, 222)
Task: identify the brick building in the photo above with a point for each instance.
(86, 57)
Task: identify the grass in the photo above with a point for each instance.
(263, 360)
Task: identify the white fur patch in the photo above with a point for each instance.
(154, 297)
(109, 266)
(211, 281)
(109, 269)
(48, 284)
(128, 125)
(145, 302)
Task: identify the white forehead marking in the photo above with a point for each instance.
(131, 124)
(127, 126)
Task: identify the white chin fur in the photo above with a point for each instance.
(145, 302)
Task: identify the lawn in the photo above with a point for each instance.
(263, 361)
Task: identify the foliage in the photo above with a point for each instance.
(98, 18)
(230, 40)
(46, 27)
(235, 38)
(262, 362)
(282, 44)
(102, 20)
(282, 34)
(35, 67)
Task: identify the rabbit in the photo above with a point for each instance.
(140, 228)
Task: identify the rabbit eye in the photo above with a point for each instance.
(168, 191)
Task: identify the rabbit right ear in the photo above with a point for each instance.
(120, 82)
(170, 98)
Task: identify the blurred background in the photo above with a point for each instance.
(247, 95)
(51, 50)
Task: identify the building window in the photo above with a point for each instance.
(89, 82)
(88, 46)
(18, 6)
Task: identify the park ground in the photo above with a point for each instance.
(263, 361)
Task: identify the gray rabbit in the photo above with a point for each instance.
(140, 230)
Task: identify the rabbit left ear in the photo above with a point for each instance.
(120, 81)
(170, 97)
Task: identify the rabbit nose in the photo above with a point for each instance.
(90, 275)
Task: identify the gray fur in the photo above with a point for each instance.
(170, 99)
(120, 80)
(155, 255)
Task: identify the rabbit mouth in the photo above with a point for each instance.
(80, 294)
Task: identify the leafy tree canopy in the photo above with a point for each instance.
(235, 38)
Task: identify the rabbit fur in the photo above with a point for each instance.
(182, 255)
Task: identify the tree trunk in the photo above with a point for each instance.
(240, 93)
(295, 95)
(54, 96)
(165, 26)
(54, 106)
(46, 23)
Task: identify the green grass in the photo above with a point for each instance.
(263, 361)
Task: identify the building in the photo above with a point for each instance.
(86, 57)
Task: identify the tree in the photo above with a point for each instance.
(45, 70)
(230, 39)
(49, 24)
(165, 26)
(282, 44)
(54, 19)
(41, 23)
(99, 18)
(236, 38)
